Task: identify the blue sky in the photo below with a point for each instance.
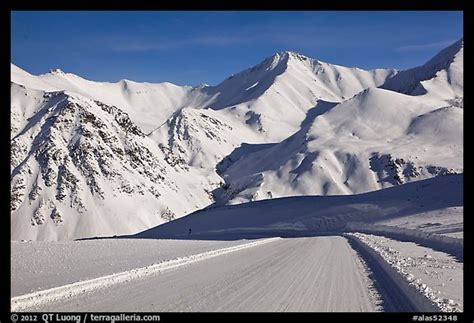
(189, 48)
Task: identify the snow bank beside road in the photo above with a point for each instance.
(436, 275)
(444, 243)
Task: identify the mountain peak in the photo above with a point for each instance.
(56, 71)
(284, 58)
(288, 54)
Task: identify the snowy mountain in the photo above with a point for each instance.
(81, 167)
(263, 104)
(376, 139)
(94, 158)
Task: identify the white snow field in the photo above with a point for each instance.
(102, 159)
(437, 275)
(298, 274)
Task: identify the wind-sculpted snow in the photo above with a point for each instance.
(447, 222)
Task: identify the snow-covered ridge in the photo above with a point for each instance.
(441, 76)
(148, 104)
(300, 79)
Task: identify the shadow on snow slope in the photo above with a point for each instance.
(311, 215)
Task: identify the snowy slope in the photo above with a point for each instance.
(442, 76)
(202, 137)
(264, 103)
(80, 167)
(300, 214)
(276, 94)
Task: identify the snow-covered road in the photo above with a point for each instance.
(297, 274)
(42, 265)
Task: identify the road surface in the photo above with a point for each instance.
(41, 265)
(296, 274)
